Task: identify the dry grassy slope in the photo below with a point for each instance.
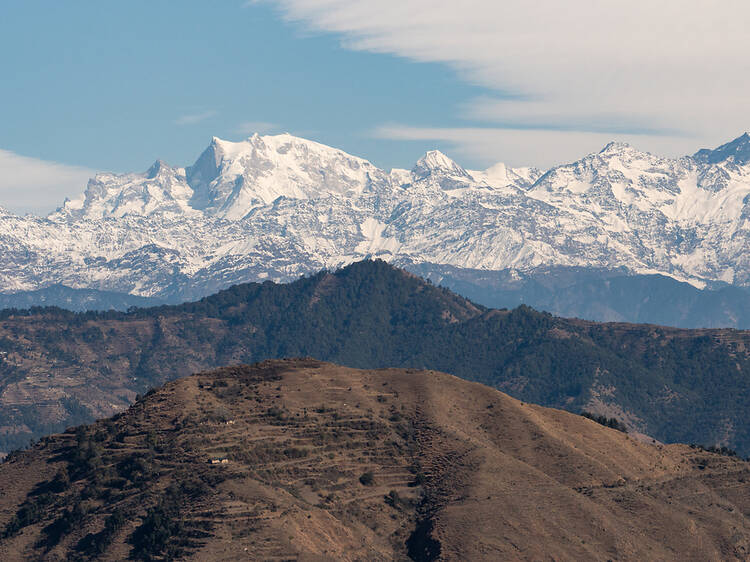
(484, 475)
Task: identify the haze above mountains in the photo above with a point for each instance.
(275, 207)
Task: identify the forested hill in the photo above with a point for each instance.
(58, 368)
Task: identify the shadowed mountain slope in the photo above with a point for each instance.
(58, 368)
(76, 300)
(316, 462)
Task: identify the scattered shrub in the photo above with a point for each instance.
(614, 423)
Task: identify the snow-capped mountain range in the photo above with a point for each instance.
(275, 207)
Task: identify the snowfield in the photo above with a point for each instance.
(275, 207)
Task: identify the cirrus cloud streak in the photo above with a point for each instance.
(30, 185)
(672, 70)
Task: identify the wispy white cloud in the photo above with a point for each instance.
(193, 118)
(674, 69)
(29, 185)
(260, 127)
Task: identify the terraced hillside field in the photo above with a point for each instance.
(304, 460)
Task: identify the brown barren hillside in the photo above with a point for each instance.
(303, 460)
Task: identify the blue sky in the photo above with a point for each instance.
(114, 85)
(91, 85)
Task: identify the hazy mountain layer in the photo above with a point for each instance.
(600, 295)
(77, 300)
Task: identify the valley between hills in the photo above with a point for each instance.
(304, 460)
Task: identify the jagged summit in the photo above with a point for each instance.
(629, 153)
(157, 168)
(230, 179)
(738, 150)
(435, 161)
(616, 147)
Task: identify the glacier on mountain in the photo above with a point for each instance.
(275, 207)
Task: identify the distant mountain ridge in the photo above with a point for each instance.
(77, 300)
(587, 293)
(275, 207)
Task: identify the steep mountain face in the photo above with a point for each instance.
(302, 460)
(231, 179)
(691, 215)
(59, 368)
(737, 152)
(275, 207)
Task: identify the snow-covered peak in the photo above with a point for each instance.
(616, 147)
(280, 149)
(435, 162)
(158, 168)
(232, 178)
(502, 175)
(737, 151)
(161, 189)
(621, 181)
